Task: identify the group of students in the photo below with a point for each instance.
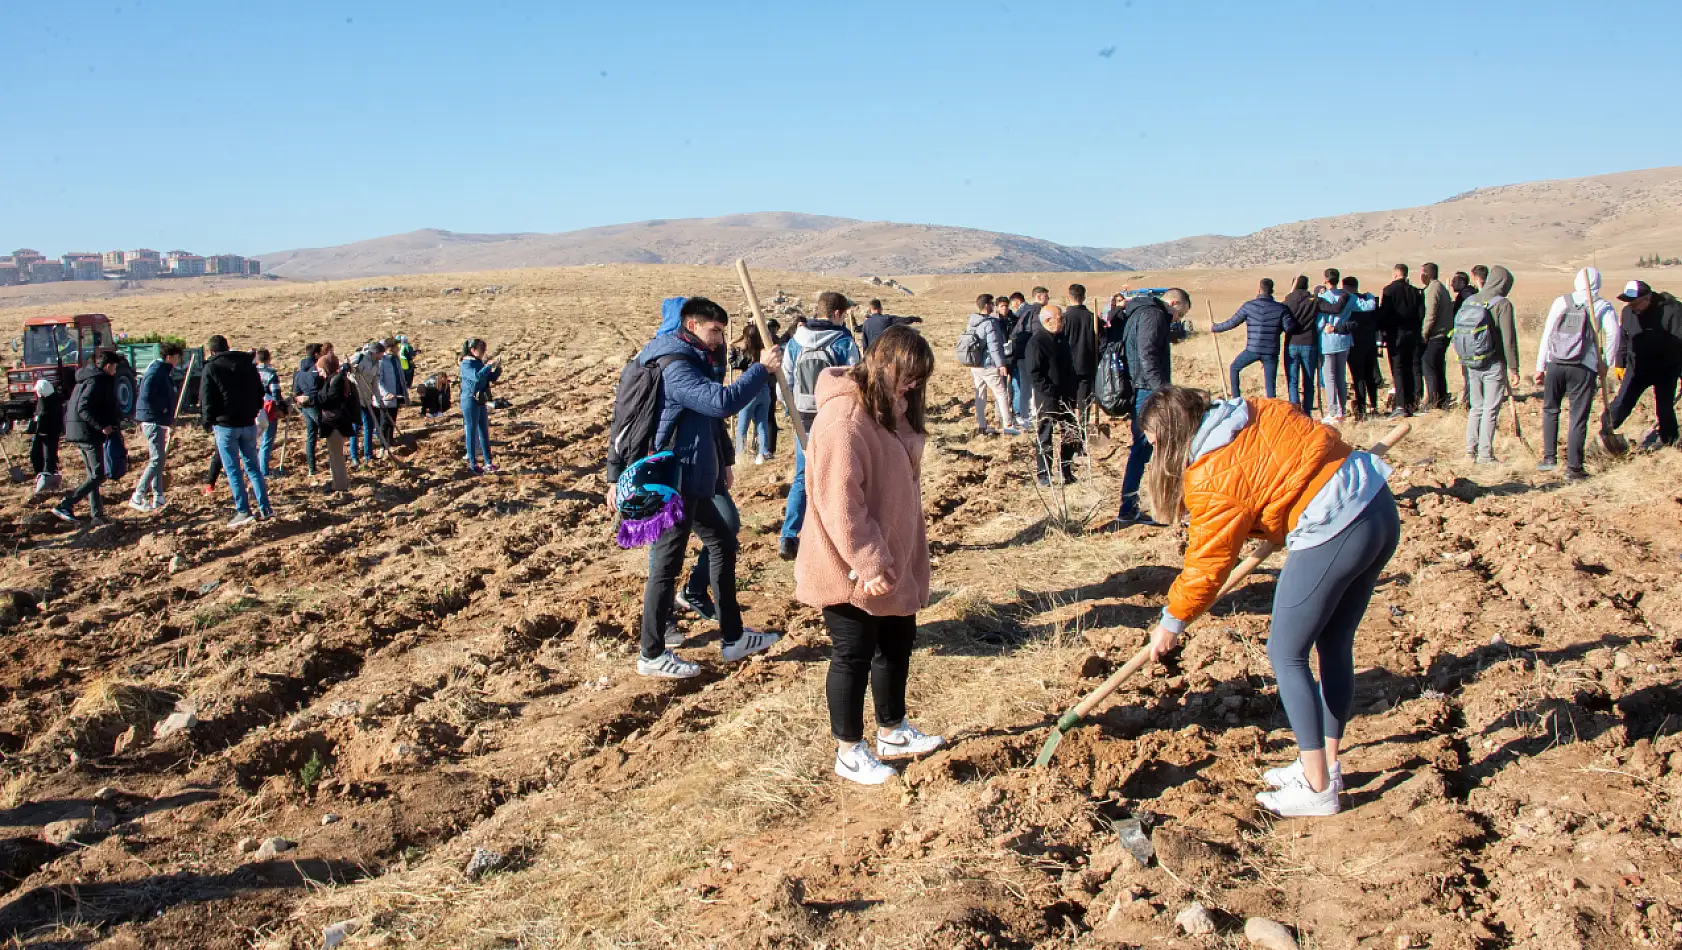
(1234, 469)
(242, 406)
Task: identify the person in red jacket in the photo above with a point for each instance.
(864, 551)
(1257, 468)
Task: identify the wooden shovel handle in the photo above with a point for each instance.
(765, 334)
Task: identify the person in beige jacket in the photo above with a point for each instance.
(864, 550)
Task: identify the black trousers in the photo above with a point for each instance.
(1636, 382)
(867, 649)
(1405, 371)
(1053, 444)
(43, 453)
(93, 456)
(665, 562)
(1363, 375)
(1435, 358)
(1576, 383)
(700, 578)
(312, 433)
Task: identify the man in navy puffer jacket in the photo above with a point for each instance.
(1266, 319)
(154, 409)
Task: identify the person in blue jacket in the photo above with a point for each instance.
(154, 409)
(476, 378)
(693, 408)
(1265, 319)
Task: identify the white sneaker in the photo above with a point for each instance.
(750, 643)
(159, 502)
(1297, 800)
(905, 740)
(667, 666)
(240, 520)
(1286, 774)
(759, 460)
(858, 765)
(140, 505)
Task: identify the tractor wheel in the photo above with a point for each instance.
(126, 390)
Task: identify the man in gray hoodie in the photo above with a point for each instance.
(1486, 341)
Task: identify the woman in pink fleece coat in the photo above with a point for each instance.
(864, 553)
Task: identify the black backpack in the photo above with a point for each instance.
(636, 414)
(1113, 388)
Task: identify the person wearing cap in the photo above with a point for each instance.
(1649, 356)
(48, 430)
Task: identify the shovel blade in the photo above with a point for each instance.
(1050, 748)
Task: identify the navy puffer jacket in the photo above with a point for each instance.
(1264, 319)
(693, 407)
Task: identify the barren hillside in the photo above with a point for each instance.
(426, 691)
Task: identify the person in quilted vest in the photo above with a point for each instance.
(864, 553)
(1256, 468)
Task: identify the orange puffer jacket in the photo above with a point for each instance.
(1255, 486)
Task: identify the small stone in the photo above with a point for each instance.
(483, 861)
(247, 845)
(1268, 934)
(181, 720)
(330, 819)
(1621, 661)
(1195, 920)
(344, 709)
(1404, 941)
(1495, 640)
(273, 848)
(333, 935)
(105, 793)
(79, 830)
(177, 564)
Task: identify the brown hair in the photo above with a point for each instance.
(900, 353)
(830, 303)
(750, 341)
(328, 364)
(1172, 416)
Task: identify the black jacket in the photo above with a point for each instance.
(1027, 321)
(231, 392)
(336, 400)
(1651, 342)
(1079, 325)
(93, 407)
(1461, 296)
(1304, 322)
(1115, 325)
(49, 415)
(1148, 360)
(1051, 369)
(1401, 311)
(878, 323)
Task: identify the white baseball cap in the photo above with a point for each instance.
(1634, 290)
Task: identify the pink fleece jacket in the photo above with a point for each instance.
(864, 508)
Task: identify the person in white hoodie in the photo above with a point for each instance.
(992, 377)
(1579, 340)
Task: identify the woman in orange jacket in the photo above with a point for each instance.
(1258, 468)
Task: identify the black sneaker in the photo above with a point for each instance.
(788, 548)
(65, 516)
(1137, 517)
(700, 604)
(1575, 474)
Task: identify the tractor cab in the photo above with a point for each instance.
(54, 348)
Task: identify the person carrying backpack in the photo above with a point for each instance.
(1485, 340)
(819, 344)
(669, 442)
(982, 349)
(1568, 366)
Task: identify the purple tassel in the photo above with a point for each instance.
(636, 534)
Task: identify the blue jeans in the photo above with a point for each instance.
(1137, 457)
(1270, 365)
(1018, 393)
(1302, 363)
(794, 513)
(369, 432)
(476, 423)
(151, 484)
(757, 413)
(265, 446)
(237, 445)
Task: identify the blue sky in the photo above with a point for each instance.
(261, 127)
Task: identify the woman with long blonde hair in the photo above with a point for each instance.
(1237, 469)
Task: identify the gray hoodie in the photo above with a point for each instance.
(988, 328)
(1494, 296)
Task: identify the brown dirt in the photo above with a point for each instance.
(454, 656)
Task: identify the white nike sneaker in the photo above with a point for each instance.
(858, 765)
(1297, 800)
(906, 740)
(667, 666)
(1286, 774)
(751, 642)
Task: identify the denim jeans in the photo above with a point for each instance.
(237, 446)
(152, 476)
(794, 513)
(1019, 393)
(1270, 365)
(1302, 364)
(476, 426)
(1137, 457)
(370, 432)
(265, 445)
(312, 433)
(757, 414)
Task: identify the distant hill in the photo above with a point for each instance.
(773, 240)
(1620, 217)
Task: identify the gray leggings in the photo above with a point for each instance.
(1318, 603)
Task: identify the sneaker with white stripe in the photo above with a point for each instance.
(667, 666)
(856, 764)
(750, 642)
(905, 739)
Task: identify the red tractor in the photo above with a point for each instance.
(54, 348)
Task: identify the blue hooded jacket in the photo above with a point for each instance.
(156, 402)
(693, 407)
